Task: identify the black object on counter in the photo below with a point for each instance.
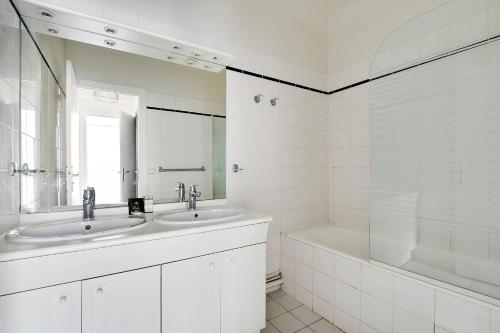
(135, 205)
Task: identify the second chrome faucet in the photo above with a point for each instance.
(193, 194)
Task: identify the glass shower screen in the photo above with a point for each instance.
(435, 147)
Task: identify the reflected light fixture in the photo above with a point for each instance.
(106, 96)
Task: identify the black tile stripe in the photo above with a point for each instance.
(187, 112)
(424, 62)
(269, 78)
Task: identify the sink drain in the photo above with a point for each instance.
(88, 227)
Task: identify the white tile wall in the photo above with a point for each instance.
(283, 151)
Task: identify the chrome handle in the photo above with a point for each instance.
(236, 168)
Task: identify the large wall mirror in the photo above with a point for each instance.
(116, 119)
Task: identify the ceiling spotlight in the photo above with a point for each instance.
(176, 47)
(52, 30)
(216, 58)
(110, 30)
(45, 13)
(109, 42)
(197, 54)
(171, 57)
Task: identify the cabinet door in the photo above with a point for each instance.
(191, 296)
(243, 289)
(53, 309)
(122, 303)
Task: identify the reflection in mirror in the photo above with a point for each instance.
(126, 124)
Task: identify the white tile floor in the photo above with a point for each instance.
(284, 314)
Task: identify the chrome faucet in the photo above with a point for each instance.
(88, 203)
(181, 192)
(193, 195)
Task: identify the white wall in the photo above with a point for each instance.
(293, 31)
(358, 28)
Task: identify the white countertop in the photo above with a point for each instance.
(15, 250)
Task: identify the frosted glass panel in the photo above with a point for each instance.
(435, 154)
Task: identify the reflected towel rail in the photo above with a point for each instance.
(160, 169)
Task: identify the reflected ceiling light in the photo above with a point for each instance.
(52, 30)
(109, 42)
(106, 96)
(45, 13)
(110, 30)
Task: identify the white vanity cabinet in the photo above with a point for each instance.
(223, 292)
(209, 280)
(53, 309)
(127, 302)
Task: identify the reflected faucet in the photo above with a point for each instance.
(88, 203)
(181, 192)
(193, 195)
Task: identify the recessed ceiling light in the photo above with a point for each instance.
(216, 58)
(110, 30)
(52, 30)
(190, 61)
(176, 47)
(45, 13)
(207, 67)
(171, 57)
(109, 42)
(197, 54)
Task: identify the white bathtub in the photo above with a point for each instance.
(329, 270)
(347, 242)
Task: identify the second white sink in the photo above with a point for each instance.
(198, 216)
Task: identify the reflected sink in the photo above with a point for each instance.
(199, 216)
(75, 229)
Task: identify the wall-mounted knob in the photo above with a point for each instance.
(236, 168)
(274, 101)
(257, 98)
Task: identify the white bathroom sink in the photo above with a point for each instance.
(75, 229)
(198, 216)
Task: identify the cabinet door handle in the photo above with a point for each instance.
(99, 291)
(63, 299)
